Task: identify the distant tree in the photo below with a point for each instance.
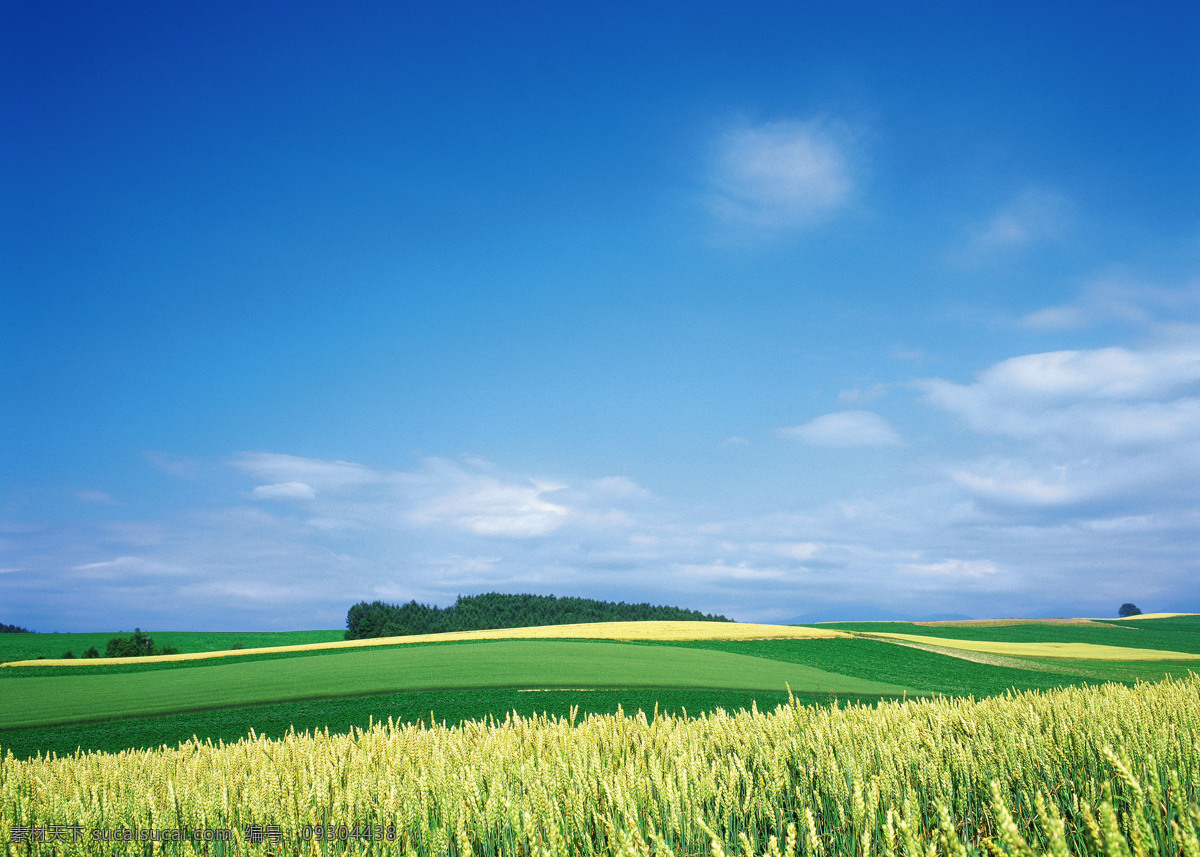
(119, 647)
(136, 646)
(13, 629)
(494, 610)
(68, 655)
(1128, 609)
(92, 652)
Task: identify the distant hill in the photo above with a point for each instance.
(13, 629)
(494, 610)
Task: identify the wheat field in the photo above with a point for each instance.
(1109, 770)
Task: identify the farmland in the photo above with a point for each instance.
(51, 699)
(311, 680)
(591, 775)
(209, 646)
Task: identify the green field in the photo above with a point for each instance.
(66, 706)
(935, 673)
(40, 700)
(25, 647)
(1173, 634)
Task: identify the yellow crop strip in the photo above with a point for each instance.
(1074, 651)
(588, 631)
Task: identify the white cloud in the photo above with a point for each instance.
(319, 475)
(618, 486)
(1113, 373)
(1116, 426)
(795, 550)
(954, 568)
(781, 175)
(488, 507)
(1086, 474)
(1010, 482)
(1057, 318)
(471, 495)
(1105, 395)
(844, 428)
(1116, 298)
(108, 563)
(862, 395)
(284, 491)
(1035, 215)
(729, 575)
(732, 441)
(125, 569)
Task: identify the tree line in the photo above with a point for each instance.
(494, 610)
(13, 629)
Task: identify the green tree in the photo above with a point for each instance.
(1128, 609)
(135, 646)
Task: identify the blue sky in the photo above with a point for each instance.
(832, 310)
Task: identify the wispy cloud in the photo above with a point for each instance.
(1034, 216)
(621, 487)
(469, 494)
(1116, 298)
(862, 395)
(1016, 482)
(283, 491)
(844, 428)
(731, 575)
(955, 568)
(489, 507)
(179, 466)
(1115, 425)
(1105, 393)
(315, 474)
(781, 175)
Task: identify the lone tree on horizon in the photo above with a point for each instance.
(1128, 609)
